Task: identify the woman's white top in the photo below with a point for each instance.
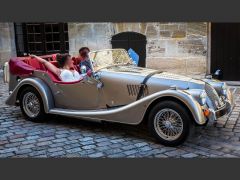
(68, 76)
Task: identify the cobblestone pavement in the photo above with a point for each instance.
(64, 137)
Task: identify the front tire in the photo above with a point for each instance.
(169, 122)
(31, 104)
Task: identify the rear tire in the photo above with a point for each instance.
(31, 104)
(169, 122)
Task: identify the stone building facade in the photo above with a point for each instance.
(175, 47)
(7, 42)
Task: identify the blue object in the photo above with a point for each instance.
(134, 56)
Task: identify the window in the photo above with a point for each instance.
(41, 38)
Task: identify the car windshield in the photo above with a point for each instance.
(109, 57)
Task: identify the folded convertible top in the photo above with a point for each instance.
(19, 67)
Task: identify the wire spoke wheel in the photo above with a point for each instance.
(31, 104)
(168, 124)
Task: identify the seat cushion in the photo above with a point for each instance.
(53, 76)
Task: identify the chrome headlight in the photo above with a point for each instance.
(203, 97)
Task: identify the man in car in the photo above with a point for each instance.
(85, 64)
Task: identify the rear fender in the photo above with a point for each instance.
(40, 86)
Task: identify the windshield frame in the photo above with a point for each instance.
(110, 65)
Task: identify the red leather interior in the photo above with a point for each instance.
(53, 76)
(36, 65)
(76, 60)
(19, 68)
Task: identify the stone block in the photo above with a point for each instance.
(165, 34)
(122, 27)
(171, 48)
(192, 47)
(156, 48)
(72, 30)
(152, 31)
(199, 29)
(85, 30)
(167, 64)
(196, 65)
(101, 29)
(143, 27)
(169, 26)
(80, 42)
(136, 27)
(179, 34)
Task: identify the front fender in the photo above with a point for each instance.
(40, 86)
(191, 103)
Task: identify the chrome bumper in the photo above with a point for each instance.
(225, 110)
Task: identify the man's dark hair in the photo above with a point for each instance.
(83, 48)
(61, 59)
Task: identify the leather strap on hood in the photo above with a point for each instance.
(144, 83)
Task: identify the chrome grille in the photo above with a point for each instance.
(134, 89)
(213, 95)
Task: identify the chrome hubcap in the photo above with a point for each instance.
(31, 104)
(168, 124)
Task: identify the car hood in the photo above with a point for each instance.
(180, 81)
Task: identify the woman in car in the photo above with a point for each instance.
(65, 71)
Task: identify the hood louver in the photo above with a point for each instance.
(134, 89)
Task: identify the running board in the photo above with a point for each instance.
(129, 114)
(80, 114)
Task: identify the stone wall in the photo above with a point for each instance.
(174, 47)
(7, 42)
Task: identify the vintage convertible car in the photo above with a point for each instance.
(119, 91)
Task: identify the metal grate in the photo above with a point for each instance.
(41, 38)
(213, 95)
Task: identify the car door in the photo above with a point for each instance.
(81, 96)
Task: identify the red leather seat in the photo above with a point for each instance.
(39, 66)
(76, 60)
(36, 64)
(53, 76)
